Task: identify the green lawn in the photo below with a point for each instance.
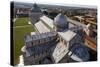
(21, 21)
(18, 36)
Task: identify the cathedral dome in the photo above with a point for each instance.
(60, 21)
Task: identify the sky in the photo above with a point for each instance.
(82, 3)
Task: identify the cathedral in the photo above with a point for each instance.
(55, 41)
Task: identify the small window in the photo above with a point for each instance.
(64, 42)
(32, 43)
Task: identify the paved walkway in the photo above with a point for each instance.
(21, 26)
(29, 22)
(14, 20)
(21, 61)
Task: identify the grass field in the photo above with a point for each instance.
(18, 36)
(21, 21)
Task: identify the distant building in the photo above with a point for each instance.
(21, 12)
(35, 13)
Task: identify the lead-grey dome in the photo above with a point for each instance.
(60, 21)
